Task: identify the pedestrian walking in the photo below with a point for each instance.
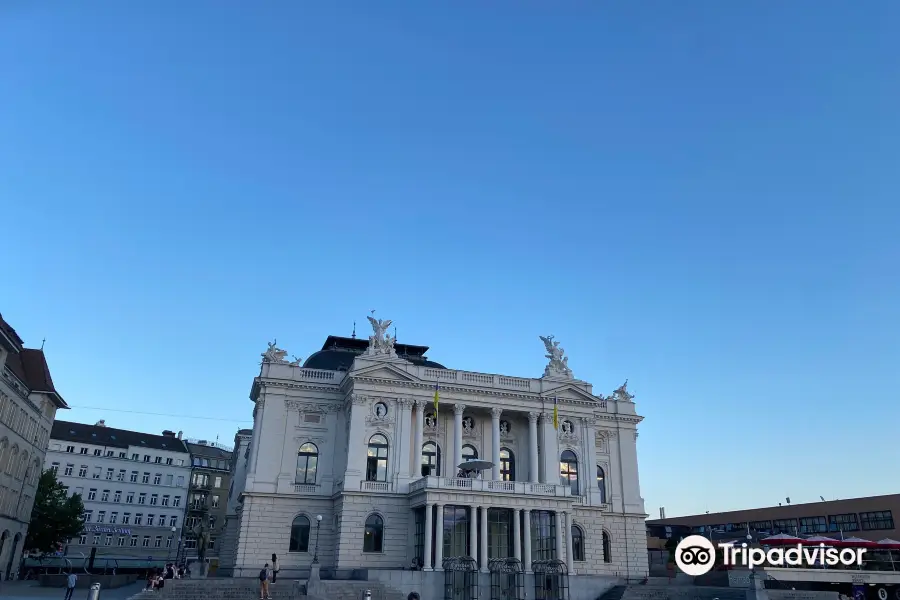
(274, 567)
(71, 580)
(264, 576)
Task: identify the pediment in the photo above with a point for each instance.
(383, 371)
(571, 393)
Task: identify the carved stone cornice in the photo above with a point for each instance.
(496, 412)
(359, 399)
(312, 407)
(459, 408)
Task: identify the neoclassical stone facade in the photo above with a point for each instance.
(353, 437)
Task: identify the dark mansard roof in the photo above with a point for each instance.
(337, 354)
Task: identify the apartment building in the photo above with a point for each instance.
(208, 499)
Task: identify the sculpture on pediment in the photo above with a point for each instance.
(559, 362)
(468, 426)
(274, 354)
(504, 428)
(296, 362)
(380, 342)
(621, 393)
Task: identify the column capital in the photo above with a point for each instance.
(533, 417)
(496, 412)
(421, 404)
(458, 408)
(405, 403)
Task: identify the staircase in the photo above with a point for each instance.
(683, 592)
(614, 593)
(248, 589)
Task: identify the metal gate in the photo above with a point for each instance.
(551, 580)
(460, 578)
(507, 579)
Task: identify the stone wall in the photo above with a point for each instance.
(398, 532)
(628, 541)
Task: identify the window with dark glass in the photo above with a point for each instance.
(307, 462)
(813, 525)
(601, 484)
(507, 465)
(607, 548)
(374, 534)
(880, 519)
(845, 522)
(299, 535)
(431, 460)
(500, 527)
(543, 535)
(455, 531)
(376, 461)
(577, 543)
(419, 536)
(788, 526)
(760, 525)
(469, 453)
(568, 471)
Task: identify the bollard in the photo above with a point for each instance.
(94, 592)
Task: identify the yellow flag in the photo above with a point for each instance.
(555, 414)
(436, 397)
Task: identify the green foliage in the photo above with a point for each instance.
(55, 518)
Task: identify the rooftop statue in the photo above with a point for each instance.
(559, 362)
(274, 354)
(381, 342)
(621, 393)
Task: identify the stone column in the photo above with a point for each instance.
(550, 461)
(495, 440)
(484, 539)
(570, 556)
(517, 534)
(457, 437)
(473, 531)
(532, 449)
(356, 444)
(559, 535)
(404, 431)
(420, 428)
(526, 549)
(426, 560)
(439, 537)
(589, 489)
(257, 427)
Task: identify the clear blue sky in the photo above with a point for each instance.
(701, 197)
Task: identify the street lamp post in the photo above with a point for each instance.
(169, 550)
(316, 552)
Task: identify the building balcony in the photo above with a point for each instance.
(202, 487)
(490, 486)
(375, 486)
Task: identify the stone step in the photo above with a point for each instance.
(248, 589)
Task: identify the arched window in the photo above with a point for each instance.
(431, 460)
(469, 453)
(507, 465)
(307, 462)
(607, 548)
(299, 535)
(373, 539)
(568, 471)
(577, 543)
(376, 461)
(601, 484)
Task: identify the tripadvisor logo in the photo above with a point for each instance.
(696, 555)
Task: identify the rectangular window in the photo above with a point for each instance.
(543, 535)
(134, 539)
(83, 451)
(126, 518)
(150, 519)
(173, 520)
(54, 467)
(135, 457)
(104, 497)
(101, 516)
(123, 454)
(180, 481)
(117, 497)
(133, 478)
(97, 472)
(880, 519)
(121, 540)
(142, 498)
(157, 542)
(138, 518)
(157, 479)
(212, 521)
(214, 502)
(169, 539)
(158, 460)
(108, 540)
(165, 500)
(168, 461)
(129, 499)
(761, 525)
(212, 543)
(162, 521)
(813, 525)
(109, 473)
(146, 458)
(153, 499)
(455, 530)
(69, 469)
(83, 539)
(96, 540)
(500, 532)
(113, 517)
(190, 544)
(176, 501)
(92, 493)
(110, 453)
(82, 471)
(145, 478)
(218, 482)
(788, 526)
(121, 475)
(97, 451)
(419, 535)
(70, 449)
(169, 479)
(845, 522)
(146, 542)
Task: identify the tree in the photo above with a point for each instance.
(55, 518)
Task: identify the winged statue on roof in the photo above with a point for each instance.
(559, 362)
